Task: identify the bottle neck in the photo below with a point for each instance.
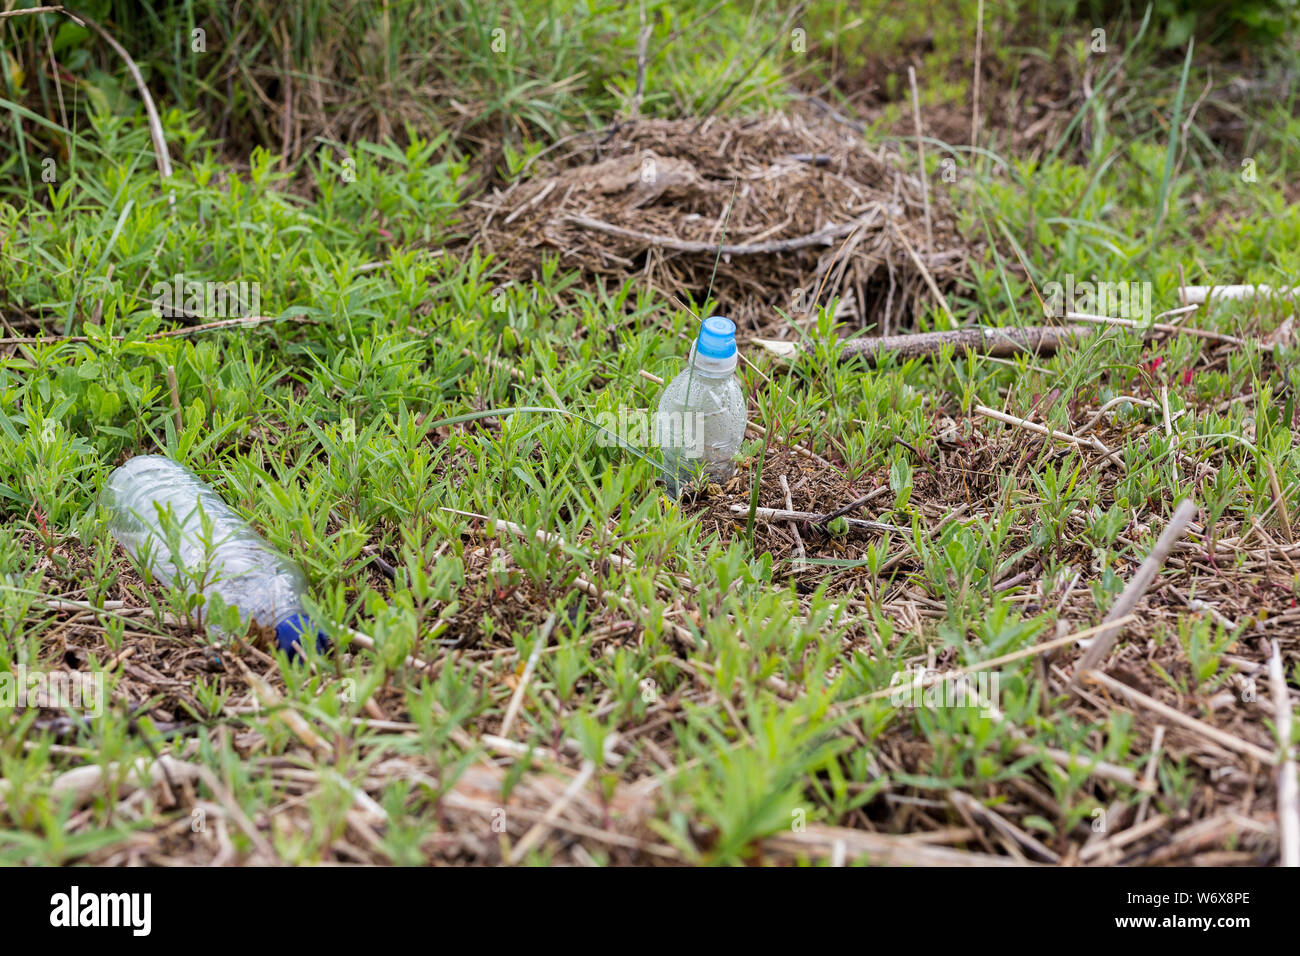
(712, 367)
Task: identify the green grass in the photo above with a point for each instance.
(738, 698)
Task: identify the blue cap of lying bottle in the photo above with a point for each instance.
(717, 338)
(293, 630)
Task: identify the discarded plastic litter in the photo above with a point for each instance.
(701, 414)
(241, 566)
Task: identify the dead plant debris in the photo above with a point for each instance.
(816, 210)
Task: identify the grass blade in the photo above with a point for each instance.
(1171, 155)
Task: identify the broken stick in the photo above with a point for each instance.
(1200, 294)
(775, 515)
(822, 237)
(1137, 586)
(1032, 339)
(1288, 797)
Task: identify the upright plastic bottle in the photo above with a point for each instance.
(242, 566)
(701, 417)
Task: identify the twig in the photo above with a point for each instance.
(1034, 339)
(827, 110)
(822, 237)
(151, 111)
(176, 401)
(1279, 499)
(1288, 797)
(1094, 442)
(272, 700)
(979, 49)
(548, 537)
(1009, 830)
(812, 517)
(925, 273)
(634, 610)
(883, 848)
(1149, 774)
(600, 594)
(801, 553)
(82, 783)
(543, 826)
(531, 203)
(1116, 841)
(1118, 400)
(247, 323)
(858, 502)
(1136, 588)
(236, 813)
(930, 678)
(517, 699)
(1201, 294)
(1220, 737)
(29, 11)
(920, 150)
(1097, 768)
(1208, 832)
(643, 40)
(800, 450)
(1151, 328)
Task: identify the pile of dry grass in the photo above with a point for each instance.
(815, 208)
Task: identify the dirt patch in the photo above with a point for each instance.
(813, 208)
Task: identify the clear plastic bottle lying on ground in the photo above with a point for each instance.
(241, 566)
(701, 417)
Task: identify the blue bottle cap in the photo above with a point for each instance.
(717, 338)
(293, 629)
